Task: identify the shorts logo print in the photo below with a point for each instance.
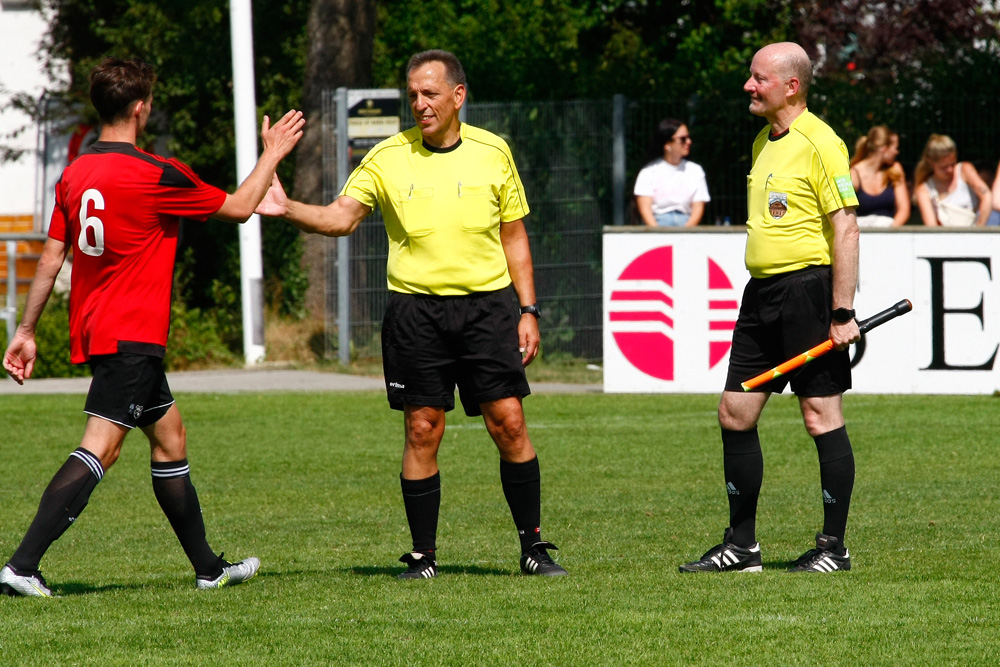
(135, 411)
(397, 385)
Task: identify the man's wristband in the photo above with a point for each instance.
(531, 310)
(843, 315)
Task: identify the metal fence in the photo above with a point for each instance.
(577, 182)
(563, 152)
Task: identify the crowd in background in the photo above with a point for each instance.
(671, 190)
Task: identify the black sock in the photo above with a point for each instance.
(744, 471)
(63, 500)
(179, 501)
(522, 487)
(422, 500)
(836, 473)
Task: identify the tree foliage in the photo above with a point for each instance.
(877, 59)
(189, 44)
(564, 49)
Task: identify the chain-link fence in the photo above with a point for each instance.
(564, 153)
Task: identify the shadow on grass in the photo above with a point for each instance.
(778, 566)
(71, 588)
(393, 571)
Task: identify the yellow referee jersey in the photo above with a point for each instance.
(442, 210)
(797, 180)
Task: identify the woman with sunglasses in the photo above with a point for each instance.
(670, 190)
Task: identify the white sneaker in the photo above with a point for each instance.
(232, 574)
(32, 585)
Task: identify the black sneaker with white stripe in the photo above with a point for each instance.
(823, 558)
(421, 566)
(536, 560)
(727, 557)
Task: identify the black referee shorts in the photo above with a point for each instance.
(781, 317)
(430, 344)
(128, 389)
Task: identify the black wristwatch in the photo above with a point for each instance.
(531, 310)
(843, 315)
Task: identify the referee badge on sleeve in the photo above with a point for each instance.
(777, 204)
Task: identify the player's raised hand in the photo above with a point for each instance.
(275, 202)
(284, 134)
(19, 359)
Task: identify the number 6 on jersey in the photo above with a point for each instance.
(91, 222)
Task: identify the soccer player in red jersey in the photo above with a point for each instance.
(119, 208)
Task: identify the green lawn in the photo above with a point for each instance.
(632, 486)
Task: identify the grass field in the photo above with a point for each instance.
(632, 486)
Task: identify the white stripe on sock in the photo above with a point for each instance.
(166, 473)
(91, 462)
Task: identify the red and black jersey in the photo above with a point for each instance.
(119, 207)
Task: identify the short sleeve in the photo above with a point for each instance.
(58, 228)
(513, 205)
(644, 185)
(362, 185)
(701, 187)
(832, 171)
(182, 193)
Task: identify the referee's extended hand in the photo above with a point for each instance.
(528, 338)
(275, 202)
(19, 359)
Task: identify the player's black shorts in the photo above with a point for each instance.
(430, 344)
(128, 389)
(781, 317)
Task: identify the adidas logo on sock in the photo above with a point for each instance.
(827, 498)
(733, 491)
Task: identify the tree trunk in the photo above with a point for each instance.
(340, 35)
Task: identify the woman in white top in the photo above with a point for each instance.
(879, 181)
(671, 191)
(946, 189)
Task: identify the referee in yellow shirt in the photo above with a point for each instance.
(802, 254)
(453, 206)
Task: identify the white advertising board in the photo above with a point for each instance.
(671, 298)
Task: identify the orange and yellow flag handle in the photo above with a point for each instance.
(864, 326)
(788, 366)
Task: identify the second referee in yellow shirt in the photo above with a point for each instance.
(802, 254)
(453, 206)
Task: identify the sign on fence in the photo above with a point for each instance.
(671, 300)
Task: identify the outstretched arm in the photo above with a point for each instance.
(514, 239)
(19, 359)
(340, 218)
(279, 141)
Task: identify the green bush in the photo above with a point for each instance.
(52, 341)
(205, 337)
(198, 338)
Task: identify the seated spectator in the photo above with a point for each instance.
(670, 190)
(994, 219)
(946, 189)
(879, 181)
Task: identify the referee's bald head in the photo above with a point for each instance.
(791, 61)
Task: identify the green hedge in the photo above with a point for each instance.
(52, 341)
(198, 338)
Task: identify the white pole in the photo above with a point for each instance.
(245, 110)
